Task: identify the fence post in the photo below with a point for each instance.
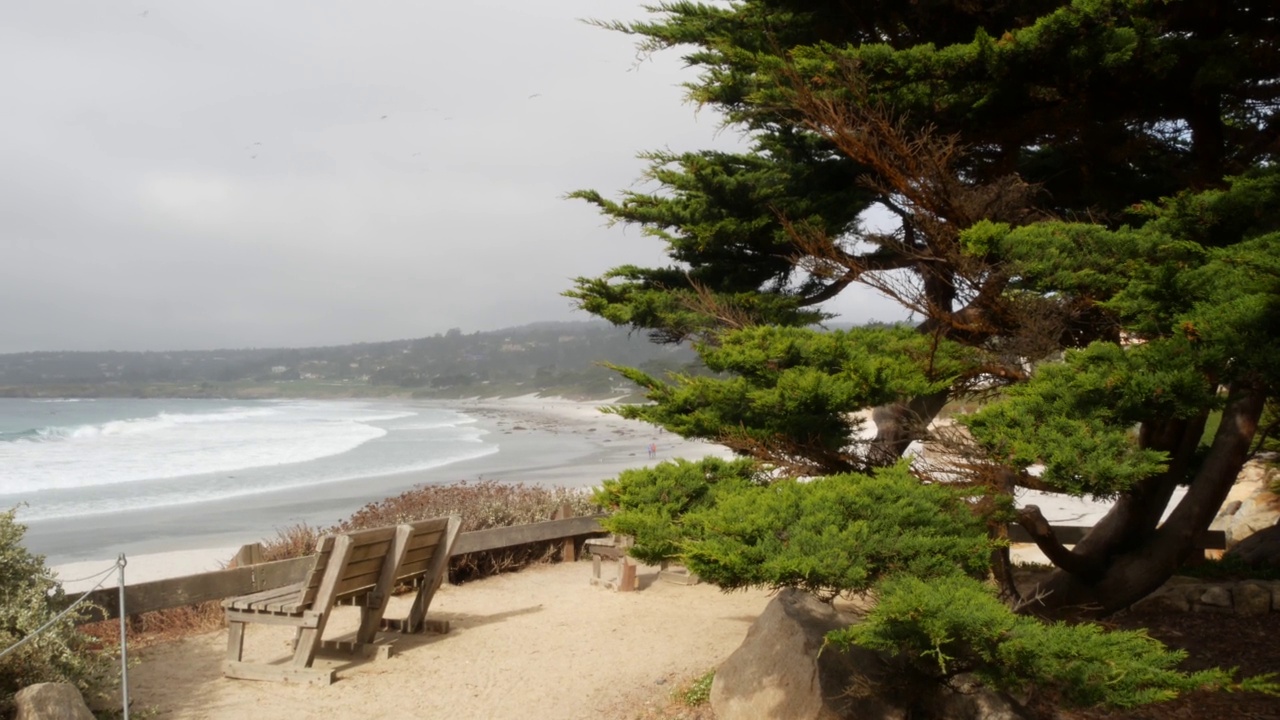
(124, 643)
(568, 546)
(250, 554)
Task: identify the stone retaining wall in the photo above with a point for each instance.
(1185, 594)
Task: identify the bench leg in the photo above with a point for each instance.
(308, 642)
(235, 641)
(422, 601)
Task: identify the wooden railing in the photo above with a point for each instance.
(1072, 534)
(190, 589)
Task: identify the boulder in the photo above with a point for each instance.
(783, 671)
(1165, 600)
(1250, 506)
(1252, 598)
(50, 701)
(1259, 550)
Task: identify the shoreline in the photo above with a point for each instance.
(542, 441)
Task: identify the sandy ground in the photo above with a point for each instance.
(541, 643)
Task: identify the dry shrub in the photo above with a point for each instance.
(161, 625)
(291, 542)
(482, 505)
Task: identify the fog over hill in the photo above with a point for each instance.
(555, 356)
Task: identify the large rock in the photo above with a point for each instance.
(1259, 550)
(1251, 506)
(50, 701)
(782, 671)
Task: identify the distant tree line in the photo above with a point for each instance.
(565, 355)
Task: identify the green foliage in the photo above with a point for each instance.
(827, 535)
(650, 503)
(972, 124)
(794, 388)
(1077, 417)
(956, 624)
(835, 534)
(697, 692)
(30, 596)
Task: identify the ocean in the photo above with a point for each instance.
(72, 458)
(87, 474)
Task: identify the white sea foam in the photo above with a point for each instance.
(62, 470)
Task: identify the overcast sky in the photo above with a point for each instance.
(198, 174)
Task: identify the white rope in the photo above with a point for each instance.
(91, 577)
(59, 616)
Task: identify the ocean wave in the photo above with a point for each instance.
(173, 444)
(212, 492)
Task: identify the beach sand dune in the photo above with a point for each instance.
(540, 643)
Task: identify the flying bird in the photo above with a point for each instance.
(535, 95)
(384, 117)
(143, 13)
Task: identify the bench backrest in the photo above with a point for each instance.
(366, 553)
(311, 584)
(426, 539)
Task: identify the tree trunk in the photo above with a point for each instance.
(1124, 571)
(899, 424)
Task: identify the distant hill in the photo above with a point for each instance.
(559, 357)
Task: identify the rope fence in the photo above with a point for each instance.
(124, 658)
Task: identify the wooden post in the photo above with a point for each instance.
(626, 574)
(250, 554)
(568, 546)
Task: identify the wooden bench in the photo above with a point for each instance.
(615, 548)
(361, 566)
(426, 564)
(612, 548)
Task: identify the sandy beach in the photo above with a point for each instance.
(540, 643)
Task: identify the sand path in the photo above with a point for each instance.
(541, 643)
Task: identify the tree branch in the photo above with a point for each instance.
(1041, 532)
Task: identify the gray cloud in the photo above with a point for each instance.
(196, 174)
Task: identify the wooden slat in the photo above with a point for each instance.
(189, 589)
(245, 602)
(304, 619)
(277, 673)
(1071, 534)
(356, 584)
(430, 538)
(481, 540)
(361, 568)
(372, 551)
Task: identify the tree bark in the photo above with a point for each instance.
(1134, 570)
(898, 424)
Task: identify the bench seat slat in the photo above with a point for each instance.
(288, 593)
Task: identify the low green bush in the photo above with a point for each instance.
(30, 596)
(947, 626)
(920, 550)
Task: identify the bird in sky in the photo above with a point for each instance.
(384, 117)
(535, 95)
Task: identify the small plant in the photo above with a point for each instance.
(30, 597)
(696, 692)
